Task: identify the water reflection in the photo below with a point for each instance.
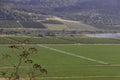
(105, 35)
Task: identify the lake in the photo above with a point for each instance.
(105, 35)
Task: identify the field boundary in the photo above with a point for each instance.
(24, 67)
(78, 77)
(74, 55)
(67, 77)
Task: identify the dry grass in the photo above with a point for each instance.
(56, 27)
(62, 20)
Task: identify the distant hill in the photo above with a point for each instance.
(103, 14)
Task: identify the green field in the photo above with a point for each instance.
(73, 62)
(42, 40)
(56, 40)
(92, 40)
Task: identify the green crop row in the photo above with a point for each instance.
(30, 24)
(9, 24)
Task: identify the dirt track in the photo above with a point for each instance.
(62, 20)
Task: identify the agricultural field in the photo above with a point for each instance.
(71, 61)
(31, 24)
(30, 40)
(92, 40)
(79, 26)
(57, 40)
(42, 40)
(5, 40)
(9, 24)
(51, 22)
(56, 22)
(56, 27)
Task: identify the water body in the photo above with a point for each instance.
(105, 35)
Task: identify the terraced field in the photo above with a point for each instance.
(56, 27)
(9, 24)
(30, 24)
(79, 26)
(48, 24)
(73, 62)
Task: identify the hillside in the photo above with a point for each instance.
(102, 14)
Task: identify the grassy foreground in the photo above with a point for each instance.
(62, 66)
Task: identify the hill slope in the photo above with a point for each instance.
(103, 14)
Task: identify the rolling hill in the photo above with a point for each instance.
(102, 14)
